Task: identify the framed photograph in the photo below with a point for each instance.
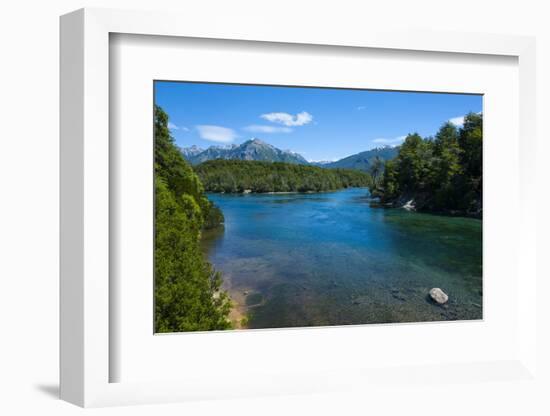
(270, 212)
(376, 220)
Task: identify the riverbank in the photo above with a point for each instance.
(250, 192)
(238, 313)
(416, 204)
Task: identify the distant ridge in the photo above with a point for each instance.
(258, 150)
(253, 149)
(364, 160)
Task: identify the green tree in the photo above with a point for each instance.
(413, 163)
(188, 294)
(471, 143)
(176, 172)
(240, 175)
(376, 169)
(390, 183)
(446, 166)
(442, 174)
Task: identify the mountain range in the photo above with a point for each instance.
(256, 149)
(364, 160)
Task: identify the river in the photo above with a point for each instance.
(294, 260)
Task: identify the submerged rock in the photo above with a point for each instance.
(438, 296)
(398, 295)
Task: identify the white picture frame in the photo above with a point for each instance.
(86, 355)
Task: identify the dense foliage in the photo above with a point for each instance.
(440, 174)
(188, 295)
(234, 176)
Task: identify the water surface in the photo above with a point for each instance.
(330, 259)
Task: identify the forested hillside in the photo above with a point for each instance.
(234, 176)
(440, 174)
(188, 295)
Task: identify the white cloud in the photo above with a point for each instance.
(172, 126)
(256, 128)
(394, 141)
(361, 108)
(289, 120)
(216, 133)
(457, 121)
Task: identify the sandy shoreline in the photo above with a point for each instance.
(237, 314)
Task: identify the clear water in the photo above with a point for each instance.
(331, 259)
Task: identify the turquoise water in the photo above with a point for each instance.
(331, 259)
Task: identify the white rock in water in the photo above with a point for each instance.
(409, 206)
(438, 296)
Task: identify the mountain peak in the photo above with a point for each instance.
(253, 149)
(191, 151)
(255, 140)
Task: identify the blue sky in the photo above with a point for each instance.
(318, 123)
